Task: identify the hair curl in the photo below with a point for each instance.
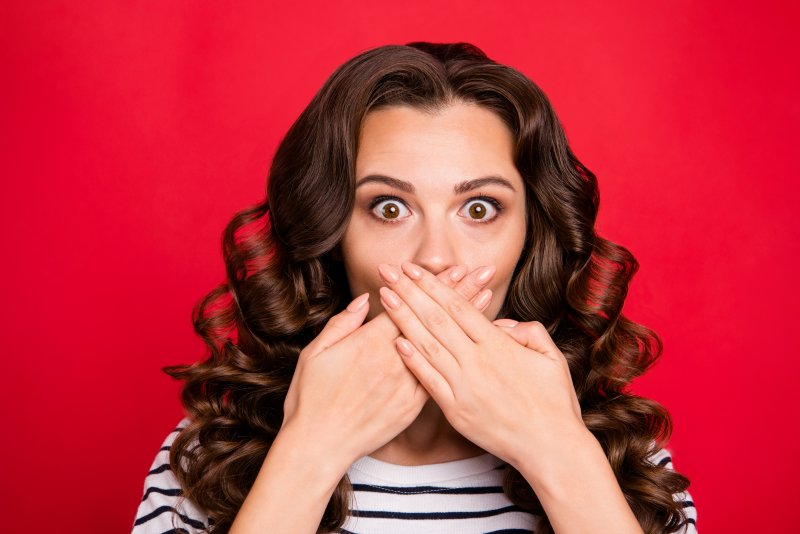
(285, 280)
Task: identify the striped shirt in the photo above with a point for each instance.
(460, 496)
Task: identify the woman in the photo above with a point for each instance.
(435, 400)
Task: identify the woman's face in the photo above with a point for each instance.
(417, 179)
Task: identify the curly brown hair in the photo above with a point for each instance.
(285, 279)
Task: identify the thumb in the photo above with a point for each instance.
(508, 326)
(340, 325)
(531, 334)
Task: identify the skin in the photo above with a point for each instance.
(521, 407)
(506, 388)
(433, 227)
(505, 391)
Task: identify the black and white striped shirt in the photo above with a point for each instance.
(461, 496)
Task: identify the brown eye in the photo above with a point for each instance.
(479, 209)
(390, 210)
(387, 209)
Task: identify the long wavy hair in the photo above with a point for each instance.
(285, 279)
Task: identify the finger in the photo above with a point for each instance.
(434, 383)
(471, 285)
(414, 331)
(465, 283)
(482, 300)
(532, 335)
(469, 320)
(456, 277)
(453, 275)
(432, 328)
(470, 288)
(340, 325)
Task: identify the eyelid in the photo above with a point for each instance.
(383, 198)
(496, 204)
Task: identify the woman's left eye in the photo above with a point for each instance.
(476, 208)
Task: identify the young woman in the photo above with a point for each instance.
(421, 330)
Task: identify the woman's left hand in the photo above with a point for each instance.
(506, 389)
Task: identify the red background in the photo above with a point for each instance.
(132, 131)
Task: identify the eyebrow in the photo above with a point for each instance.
(458, 189)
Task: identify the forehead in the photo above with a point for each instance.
(466, 135)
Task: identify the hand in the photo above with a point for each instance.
(509, 391)
(350, 389)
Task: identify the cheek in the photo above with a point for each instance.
(500, 291)
(499, 295)
(362, 279)
(504, 260)
(362, 271)
(362, 251)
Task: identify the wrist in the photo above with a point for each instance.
(297, 447)
(551, 466)
(578, 488)
(292, 488)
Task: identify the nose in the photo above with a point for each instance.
(436, 249)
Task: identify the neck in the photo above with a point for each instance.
(428, 439)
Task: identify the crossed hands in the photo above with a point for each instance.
(503, 385)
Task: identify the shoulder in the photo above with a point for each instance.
(663, 457)
(163, 507)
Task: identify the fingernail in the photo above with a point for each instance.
(388, 273)
(458, 273)
(507, 323)
(389, 297)
(413, 272)
(358, 303)
(485, 273)
(483, 298)
(404, 347)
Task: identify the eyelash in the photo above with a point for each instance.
(493, 201)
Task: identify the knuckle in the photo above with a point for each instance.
(431, 348)
(455, 307)
(435, 319)
(334, 322)
(459, 420)
(428, 285)
(466, 287)
(537, 328)
(444, 277)
(343, 323)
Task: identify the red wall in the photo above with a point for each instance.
(132, 131)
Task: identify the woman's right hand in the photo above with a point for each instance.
(351, 392)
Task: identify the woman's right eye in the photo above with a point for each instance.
(388, 210)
